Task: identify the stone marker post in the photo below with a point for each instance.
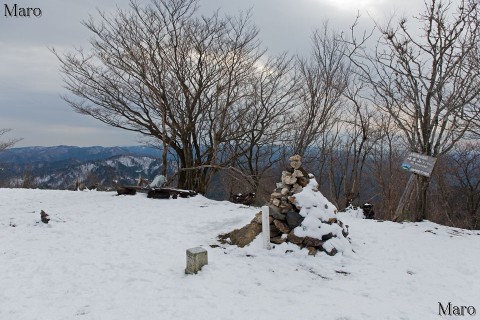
(266, 227)
(196, 259)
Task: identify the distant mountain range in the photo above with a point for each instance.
(61, 167)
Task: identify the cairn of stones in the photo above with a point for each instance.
(298, 214)
(282, 201)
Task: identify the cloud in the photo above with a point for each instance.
(30, 83)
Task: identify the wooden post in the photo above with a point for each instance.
(405, 197)
(266, 227)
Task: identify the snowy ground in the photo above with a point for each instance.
(123, 258)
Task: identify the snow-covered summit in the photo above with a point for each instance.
(123, 257)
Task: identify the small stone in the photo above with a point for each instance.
(302, 181)
(332, 220)
(296, 161)
(285, 208)
(297, 173)
(332, 252)
(282, 226)
(276, 195)
(258, 218)
(289, 169)
(327, 236)
(294, 219)
(292, 200)
(297, 188)
(306, 174)
(312, 242)
(289, 179)
(285, 191)
(274, 231)
(44, 217)
(312, 251)
(294, 239)
(276, 202)
(275, 213)
(277, 240)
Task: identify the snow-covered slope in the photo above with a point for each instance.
(109, 257)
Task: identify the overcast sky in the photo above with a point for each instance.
(31, 85)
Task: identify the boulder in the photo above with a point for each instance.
(244, 236)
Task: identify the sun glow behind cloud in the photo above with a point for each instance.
(354, 5)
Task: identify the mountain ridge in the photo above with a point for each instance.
(61, 167)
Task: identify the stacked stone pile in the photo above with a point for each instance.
(299, 214)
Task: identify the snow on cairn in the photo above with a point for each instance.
(299, 214)
(320, 221)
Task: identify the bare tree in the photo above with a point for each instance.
(164, 72)
(323, 78)
(464, 168)
(5, 144)
(349, 150)
(269, 118)
(430, 83)
(385, 177)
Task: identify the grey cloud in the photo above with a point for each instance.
(30, 83)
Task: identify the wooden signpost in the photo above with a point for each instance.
(416, 163)
(419, 163)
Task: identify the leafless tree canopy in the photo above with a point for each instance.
(430, 84)
(324, 77)
(163, 71)
(5, 144)
(203, 88)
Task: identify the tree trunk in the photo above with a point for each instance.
(190, 177)
(421, 198)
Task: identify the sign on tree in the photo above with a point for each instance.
(419, 163)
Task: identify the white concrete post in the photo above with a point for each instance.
(266, 227)
(196, 259)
